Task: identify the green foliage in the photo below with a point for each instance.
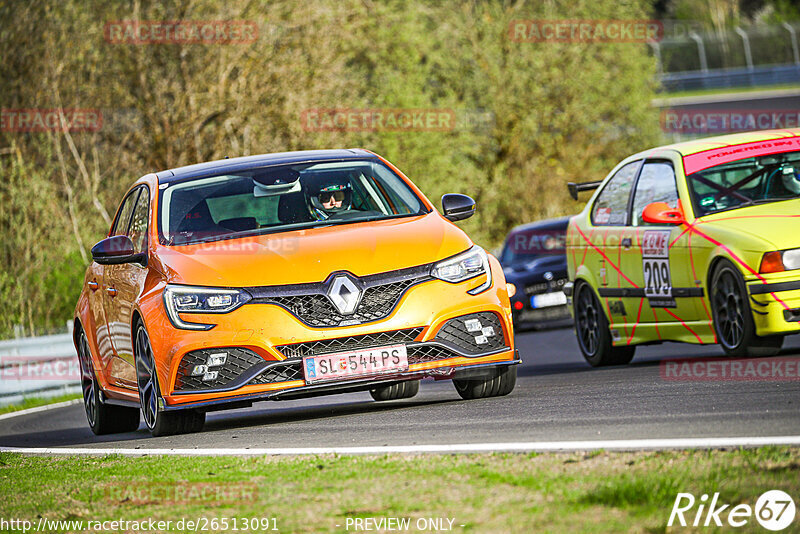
(529, 116)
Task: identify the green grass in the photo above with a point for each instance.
(33, 402)
(597, 492)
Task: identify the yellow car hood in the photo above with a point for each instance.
(775, 225)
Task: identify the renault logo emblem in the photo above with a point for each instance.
(344, 294)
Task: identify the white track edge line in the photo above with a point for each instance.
(43, 408)
(543, 446)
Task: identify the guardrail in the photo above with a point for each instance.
(692, 57)
(42, 366)
(729, 78)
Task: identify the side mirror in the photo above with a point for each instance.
(661, 213)
(457, 207)
(115, 250)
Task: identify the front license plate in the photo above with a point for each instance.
(548, 299)
(355, 364)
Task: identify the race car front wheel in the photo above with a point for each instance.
(594, 337)
(501, 382)
(398, 390)
(733, 317)
(159, 422)
(102, 418)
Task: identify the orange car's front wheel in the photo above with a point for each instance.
(159, 422)
(102, 418)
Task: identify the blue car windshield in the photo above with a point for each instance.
(524, 246)
(282, 198)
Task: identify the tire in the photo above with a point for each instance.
(102, 418)
(398, 390)
(733, 317)
(501, 383)
(159, 422)
(594, 336)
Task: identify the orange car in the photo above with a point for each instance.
(284, 276)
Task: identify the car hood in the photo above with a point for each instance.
(536, 269)
(311, 255)
(775, 225)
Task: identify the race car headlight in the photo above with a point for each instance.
(191, 299)
(778, 261)
(791, 259)
(464, 266)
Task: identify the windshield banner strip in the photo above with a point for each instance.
(716, 156)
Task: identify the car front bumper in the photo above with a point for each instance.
(775, 302)
(267, 330)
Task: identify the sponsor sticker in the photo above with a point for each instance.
(602, 216)
(655, 266)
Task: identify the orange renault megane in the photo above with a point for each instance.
(285, 276)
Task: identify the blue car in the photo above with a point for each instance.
(534, 260)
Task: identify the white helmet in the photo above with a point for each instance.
(791, 180)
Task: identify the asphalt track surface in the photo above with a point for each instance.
(558, 398)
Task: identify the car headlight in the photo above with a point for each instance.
(780, 260)
(464, 266)
(189, 299)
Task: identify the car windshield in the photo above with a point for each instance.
(524, 246)
(746, 182)
(282, 198)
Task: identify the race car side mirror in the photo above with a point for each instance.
(457, 207)
(115, 250)
(661, 213)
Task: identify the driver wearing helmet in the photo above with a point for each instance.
(791, 180)
(329, 198)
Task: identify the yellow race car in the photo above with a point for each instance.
(696, 242)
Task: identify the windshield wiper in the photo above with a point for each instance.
(337, 222)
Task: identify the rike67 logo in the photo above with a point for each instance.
(774, 510)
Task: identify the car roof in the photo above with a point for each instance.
(547, 224)
(694, 146)
(263, 160)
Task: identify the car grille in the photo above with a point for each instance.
(316, 310)
(341, 344)
(486, 338)
(310, 303)
(237, 362)
(283, 372)
(545, 287)
(429, 353)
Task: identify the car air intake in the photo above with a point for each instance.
(474, 333)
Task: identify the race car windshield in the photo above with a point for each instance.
(745, 182)
(282, 198)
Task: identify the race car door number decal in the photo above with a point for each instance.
(655, 265)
